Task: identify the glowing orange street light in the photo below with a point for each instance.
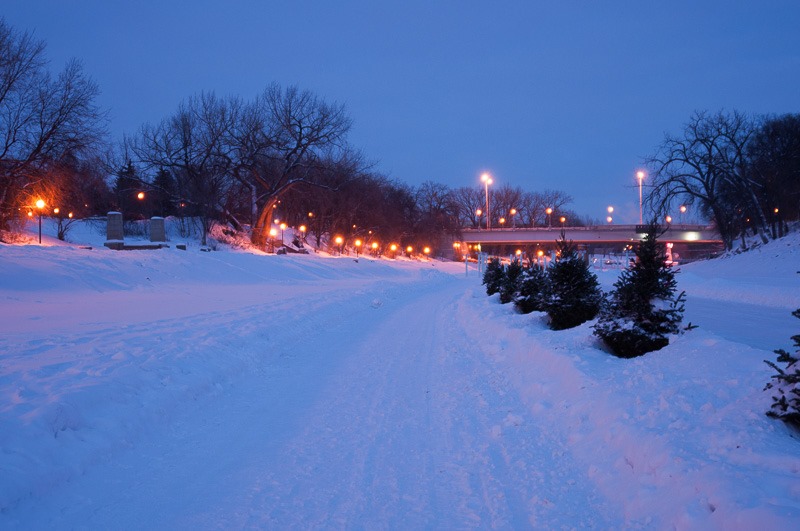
(56, 210)
(358, 246)
(548, 211)
(283, 227)
(409, 250)
(563, 219)
(40, 205)
(668, 219)
(393, 247)
(609, 219)
(140, 196)
(427, 250)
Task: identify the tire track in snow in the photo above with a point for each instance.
(418, 430)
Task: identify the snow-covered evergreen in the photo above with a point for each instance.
(532, 283)
(642, 310)
(492, 276)
(573, 295)
(509, 282)
(786, 401)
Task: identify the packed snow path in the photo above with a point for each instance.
(370, 397)
(375, 408)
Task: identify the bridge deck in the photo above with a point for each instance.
(693, 234)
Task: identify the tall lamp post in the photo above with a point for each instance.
(40, 206)
(640, 178)
(487, 180)
(549, 212)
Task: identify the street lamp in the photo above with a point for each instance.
(640, 177)
(283, 227)
(479, 213)
(563, 220)
(513, 214)
(487, 180)
(683, 211)
(549, 212)
(502, 222)
(40, 205)
(339, 241)
(272, 234)
(358, 246)
(303, 232)
(609, 219)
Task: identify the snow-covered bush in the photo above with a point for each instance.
(573, 295)
(786, 403)
(642, 310)
(531, 284)
(492, 276)
(509, 282)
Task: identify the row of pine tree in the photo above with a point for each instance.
(636, 317)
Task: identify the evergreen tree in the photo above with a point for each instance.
(509, 283)
(164, 192)
(493, 276)
(573, 295)
(532, 284)
(642, 308)
(786, 404)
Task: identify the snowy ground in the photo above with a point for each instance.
(187, 390)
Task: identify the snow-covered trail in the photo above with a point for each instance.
(306, 393)
(382, 412)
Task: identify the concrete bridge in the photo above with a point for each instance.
(690, 241)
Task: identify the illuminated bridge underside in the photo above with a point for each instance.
(611, 234)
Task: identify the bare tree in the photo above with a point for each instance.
(42, 119)
(467, 200)
(282, 138)
(707, 166)
(774, 158)
(192, 145)
(504, 199)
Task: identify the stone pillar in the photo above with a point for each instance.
(157, 231)
(114, 227)
(114, 233)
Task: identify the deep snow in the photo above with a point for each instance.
(181, 389)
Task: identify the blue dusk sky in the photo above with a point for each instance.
(561, 95)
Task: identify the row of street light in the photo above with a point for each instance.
(375, 247)
(40, 204)
(487, 179)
